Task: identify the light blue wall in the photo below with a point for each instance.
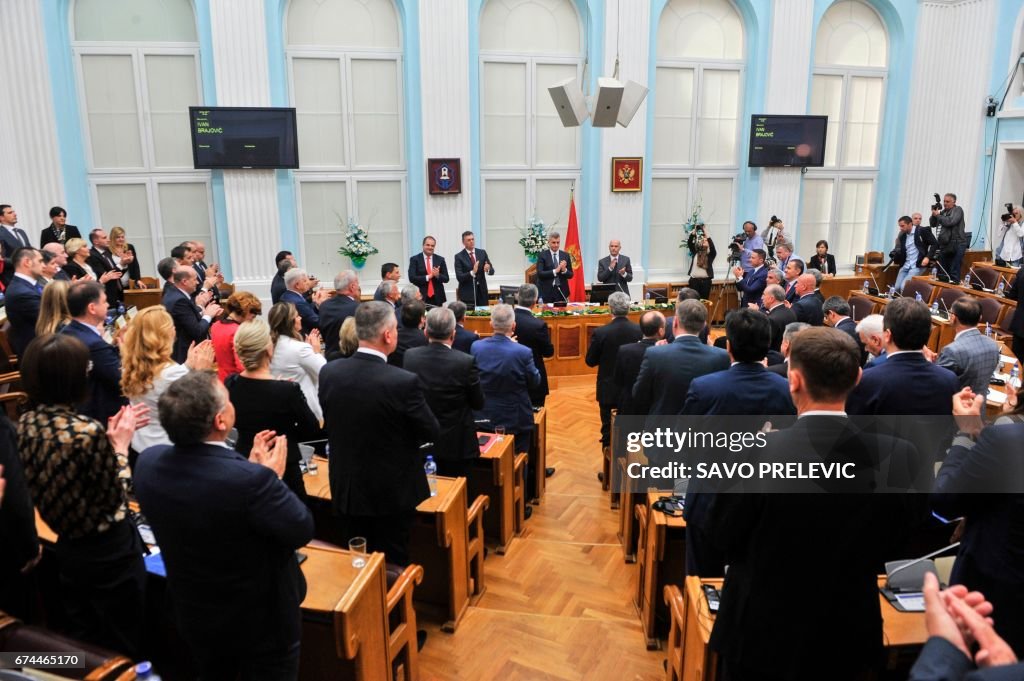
(588, 209)
(756, 16)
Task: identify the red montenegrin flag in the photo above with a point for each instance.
(578, 283)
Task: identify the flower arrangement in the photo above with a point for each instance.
(692, 221)
(357, 246)
(534, 238)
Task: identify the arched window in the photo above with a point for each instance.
(529, 161)
(851, 57)
(345, 60)
(138, 72)
(700, 59)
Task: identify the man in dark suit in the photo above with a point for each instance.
(603, 350)
(453, 390)
(17, 528)
(430, 273)
(54, 259)
(666, 371)
(377, 477)
(334, 311)
(871, 331)
(101, 260)
(631, 356)
(471, 269)
(283, 261)
(228, 528)
(951, 235)
(298, 284)
(779, 315)
(191, 319)
(87, 303)
(767, 538)
(389, 271)
(210, 276)
(745, 389)
(12, 238)
(554, 270)
(980, 481)
(615, 268)
(410, 331)
(58, 231)
(23, 297)
(790, 332)
(807, 306)
(464, 338)
(836, 313)
(752, 283)
(1016, 327)
(533, 333)
(914, 251)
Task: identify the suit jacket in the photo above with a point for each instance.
(973, 357)
(666, 372)
(228, 530)
(467, 282)
(607, 275)
(547, 281)
(925, 242)
(8, 245)
(104, 398)
(940, 660)
(17, 516)
(780, 317)
(47, 236)
(826, 265)
(307, 311)
(808, 310)
(418, 275)
(603, 351)
(464, 338)
(1016, 292)
(277, 288)
(991, 555)
(101, 265)
(627, 368)
(951, 230)
(199, 267)
(376, 466)
(453, 389)
(333, 313)
(22, 304)
(507, 373)
(533, 333)
(765, 538)
(744, 388)
(189, 325)
(408, 338)
(849, 327)
(782, 369)
(752, 284)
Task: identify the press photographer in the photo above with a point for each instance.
(702, 259)
(948, 221)
(1010, 241)
(744, 244)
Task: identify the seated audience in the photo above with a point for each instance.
(603, 349)
(262, 402)
(464, 338)
(870, 329)
(295, 359)
(972, 356)
(191, 318)
(23, 296)
(87, 304)
(240, 307)
(53, 308)
(335, 310)
(148, 369)
(228, 530)
(77, 472)
(410, 330)
(788, 334)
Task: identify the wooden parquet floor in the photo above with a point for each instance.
(558, 605)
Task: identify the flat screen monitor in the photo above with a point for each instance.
(508, 294)
(779, 141)
(599, 292)
(243, 137)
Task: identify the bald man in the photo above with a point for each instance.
(615, 268)
(807, 305)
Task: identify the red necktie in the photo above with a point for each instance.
(472, 258)
(430, 281)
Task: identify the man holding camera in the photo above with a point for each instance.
(1010, 242)
(952, 239)
(745, 244)
(915, 250)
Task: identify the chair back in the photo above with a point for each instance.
(988, 277)
(860, 307)
(914, 286)
(948, 296)
(874, 257)
(991, 311)
(99, 664)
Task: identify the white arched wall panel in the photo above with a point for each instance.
(345, 23)
(851, 34)
(30, 175)
(530, 27)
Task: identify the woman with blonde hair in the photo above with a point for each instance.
(53, 308)
(295, 359)
(125, 258)
(147, 368)
(264, 403)
(348, 339)
(241, 307)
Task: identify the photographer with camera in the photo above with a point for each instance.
(948, 219)
(915, 250)
(743, 245)
(702, 259)
(1010, 242)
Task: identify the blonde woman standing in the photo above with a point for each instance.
(295, 359)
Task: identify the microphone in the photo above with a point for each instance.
(971, 271)
(948, 313)
(939, 265)
(903, 566)
(874, 281)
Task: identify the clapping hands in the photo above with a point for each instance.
(271, 450)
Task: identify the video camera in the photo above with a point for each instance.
(938, 202)
(1008, 215)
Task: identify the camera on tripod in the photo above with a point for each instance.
(1008, 215)
(736, 247)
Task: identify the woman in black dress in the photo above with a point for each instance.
(702, 258)
(263, 403)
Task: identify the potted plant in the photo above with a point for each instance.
(357, 246)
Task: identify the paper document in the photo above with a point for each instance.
(911, 602)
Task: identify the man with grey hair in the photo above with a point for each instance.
(59, 257)
(818, 277)
(602, 353)
(792, 329)
(464, 338)
(388, 292)
(534, 334)
(453, 390)
(507, 373)
(667, 370)
(334, 311)
(297, 283)
(773, 300)
(377, 477)
(836, 313)
(870, 330)
(776, 276)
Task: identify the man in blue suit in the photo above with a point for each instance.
(807, 305)
(464, 338)
(554, 270)
(228, 528)
(752, 282)
(87, 303)
(23, 296)
(871, 332)
(745, 389)
(666, 370)
(191, 319)
(334, 311)
(298, 283)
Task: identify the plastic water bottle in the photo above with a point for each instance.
(988, 329)
(935, 273)
(935, 309)
(1015, 377)
(540, 301)
(1001, 288)
(144, 670)
(967, 280)
(918, 298)
(430, 468)
(891, 292)
(865, 287)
